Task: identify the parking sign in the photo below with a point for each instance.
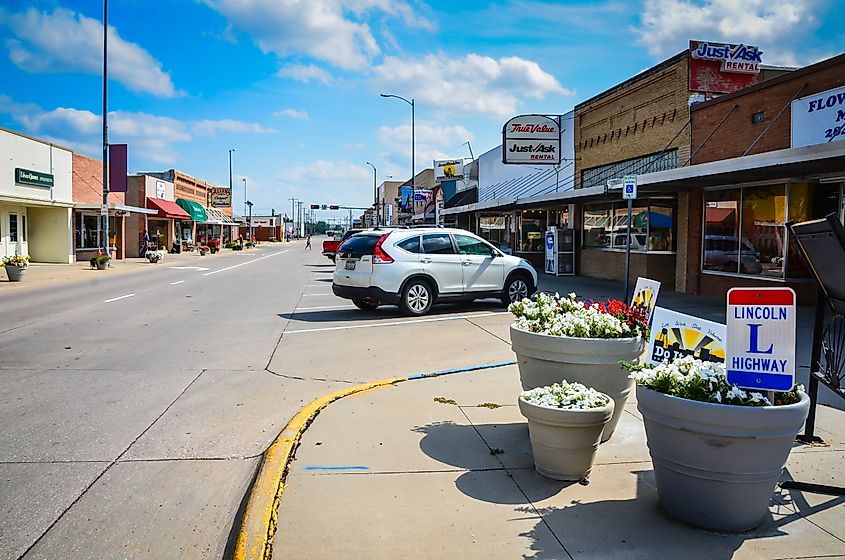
(629, 187)
(761, 338)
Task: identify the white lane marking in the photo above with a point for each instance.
(197, 268)
(326, 307)
(316, 295)
(396, 323)
(243, 263)
(177, 282)
(117, 298)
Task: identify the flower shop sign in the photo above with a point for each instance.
(761, 338)
(675, 335)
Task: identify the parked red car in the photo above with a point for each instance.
(330, 245)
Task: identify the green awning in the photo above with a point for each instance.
(195, 209)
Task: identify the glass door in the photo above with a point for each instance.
(17, 234)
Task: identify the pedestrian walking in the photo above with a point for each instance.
(308, 242)
(145, 243)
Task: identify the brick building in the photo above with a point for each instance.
(87, 220)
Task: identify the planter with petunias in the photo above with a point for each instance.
(565, 423)
(557, 338)
(16, 267)
(717, 450)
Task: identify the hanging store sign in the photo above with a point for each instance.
(531, 139)
(722, 67)
(675, 335)
(761, 338)
(448, 169)
(33, 178)
(221, 197)
(819, 118)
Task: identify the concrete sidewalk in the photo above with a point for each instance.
(442, 468)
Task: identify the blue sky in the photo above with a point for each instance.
(292, 85)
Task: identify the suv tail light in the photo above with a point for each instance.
(379, 254)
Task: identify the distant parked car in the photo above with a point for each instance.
(416, 268)
(721, 252)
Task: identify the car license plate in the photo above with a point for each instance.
(350, 265)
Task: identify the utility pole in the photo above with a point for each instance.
(105, 216)
(292, 213)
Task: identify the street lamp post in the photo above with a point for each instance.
(375, 193)
(245, 201)
(230, 170)
(249, 206)
(105, 217)
(413, 151)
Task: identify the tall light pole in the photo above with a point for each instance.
(375, 193)
(413, 151)
(230, 170)
(244, 180)
(249, 206)
(106, 244)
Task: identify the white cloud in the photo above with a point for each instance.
(350, 146)
(209, 127)
(65, 41)
(777, 26)
(469, 84)
(305, 73)
(432, 142)
(292, 113)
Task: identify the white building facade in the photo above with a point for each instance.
(36, 199)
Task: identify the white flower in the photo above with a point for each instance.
(567, 396)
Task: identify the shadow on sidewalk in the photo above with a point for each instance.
(636, 528)
(386, 312)
(457, 445)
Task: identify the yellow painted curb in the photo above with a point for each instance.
(260, 519)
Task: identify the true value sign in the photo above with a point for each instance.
(760, 351)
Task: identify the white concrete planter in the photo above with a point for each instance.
(15, 273)
(545, 359)
(717, 465)
(564, 442)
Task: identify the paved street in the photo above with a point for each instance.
(136, 406)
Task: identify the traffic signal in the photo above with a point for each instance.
(315, 207)
(333, 207)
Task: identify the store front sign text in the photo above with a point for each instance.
(819, 118)
(531, 139)
(742, 59)
(33, 178)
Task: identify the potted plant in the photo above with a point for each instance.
(16, 267)
(203, 249)
(214, 245)
(100, 262)
(565, 423)
(558, 338)
(717, 450)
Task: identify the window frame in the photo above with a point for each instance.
(493, 252)
(614, 205)
(448, 235)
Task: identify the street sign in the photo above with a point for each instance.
(104, 210)
(761, 338)
(629, 187)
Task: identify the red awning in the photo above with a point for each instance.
(167, 209)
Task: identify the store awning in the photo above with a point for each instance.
(167, 209)
(195, 209)
(217, 217)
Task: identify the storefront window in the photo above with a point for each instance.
(496, 230)
(23, 228)
(13, 228)
(808, 201)
(606, 226)
(763, 219)
(87, 231)
(745, 230)
(533, 224)
(597, 225)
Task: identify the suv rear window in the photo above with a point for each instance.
(412, 244)
(357, 246)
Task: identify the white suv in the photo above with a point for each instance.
(415, 268)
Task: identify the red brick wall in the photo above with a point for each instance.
(737, 133)
(88, 181)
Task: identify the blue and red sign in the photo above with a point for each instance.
(761, 338)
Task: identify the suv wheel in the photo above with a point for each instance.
(417, 298)
(365, 305)
(515, 290)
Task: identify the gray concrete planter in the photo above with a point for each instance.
(717, 465)
(15, 273)
(545, 359)
(564, 442)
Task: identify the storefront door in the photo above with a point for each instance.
(15, 236)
